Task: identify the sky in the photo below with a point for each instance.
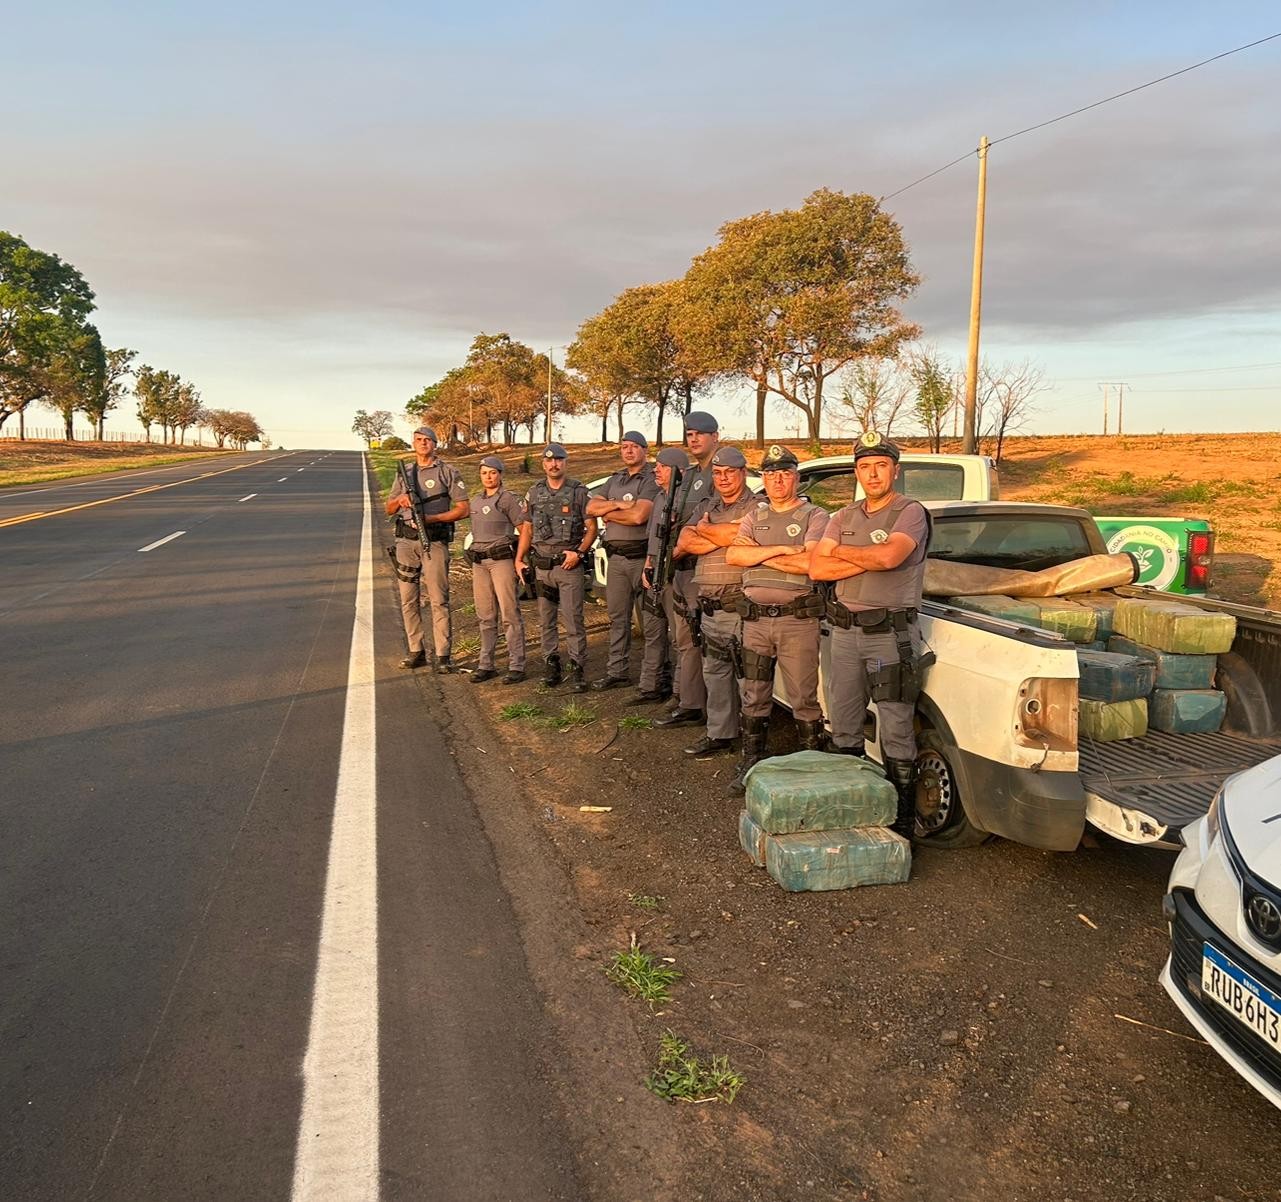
(311, 209)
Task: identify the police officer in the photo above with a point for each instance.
(714, 524)
(780, 610)
(496, 516)
(555, 538)
(875, 551)
(669, 467)
(625, 502)
(443, 496)
(702, 438)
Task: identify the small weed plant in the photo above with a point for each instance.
(635, 722)
(646, 901)
(637, 972)
(572, 715)
(467, 644)
(519, 710)
(683, 1077)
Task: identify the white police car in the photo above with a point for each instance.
(1224, 910)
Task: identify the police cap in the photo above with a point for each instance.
(492, 461)
(635, 436)
(427, 432)
(728, 457)
(699, 422)
(673, 457)
(872, 443)
(779, 459)
(553, 450)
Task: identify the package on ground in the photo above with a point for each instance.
(815, 791)
(815, 860)
(1187, 711)
(1010, 608)
(1172, 671)
(1173, 626)
(1072, 621)
(752, 839)
(1104, 607)
(1107, 721)
(1106, 676)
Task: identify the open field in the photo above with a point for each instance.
(26, 461)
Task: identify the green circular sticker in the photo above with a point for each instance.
(1156, 551)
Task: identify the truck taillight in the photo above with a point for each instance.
(1047, 713)
(1200, 558)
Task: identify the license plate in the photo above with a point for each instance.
(1251, 1004)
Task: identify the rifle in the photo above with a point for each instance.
(419, 506)
(653, 600)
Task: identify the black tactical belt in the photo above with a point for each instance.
(684, 563)
(502, 551)
(545, 563)
(726, 602)
(870, 621)
(808, 605)
(439, 533)
(635, 548)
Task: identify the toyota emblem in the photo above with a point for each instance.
(1265, 918)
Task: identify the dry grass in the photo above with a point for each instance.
(31, 462)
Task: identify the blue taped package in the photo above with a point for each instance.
(1174, 626)
(1072, 621)
(752, 839)
(815, 791)
(817, 860)
(1110, 677)
(1173, 671)
(1187, 711)
(1104, 606)
(996, 606)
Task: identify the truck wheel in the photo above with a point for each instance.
(941, 820)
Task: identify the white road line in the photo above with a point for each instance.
(282, 479)
(250, 497)
(302, 469)
(160, 542)
(337, 1154)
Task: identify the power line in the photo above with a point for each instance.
(1083, 109)
(1178, 371)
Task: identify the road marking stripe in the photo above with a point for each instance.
(124, 496)
(337, 1154)
(250, 497)
(160, 542)
(282, 479)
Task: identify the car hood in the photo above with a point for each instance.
(1252, 806)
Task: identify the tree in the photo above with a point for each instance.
(598, 360)
(787, 299)
(1009, 391)
(373, 427)
(115, 370)
(876, 391)
(72, 375)
(158, 398)
(935, 394)
(186, 410)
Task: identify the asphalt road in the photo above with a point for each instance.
(177, 646)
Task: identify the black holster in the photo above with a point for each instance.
(755, 665)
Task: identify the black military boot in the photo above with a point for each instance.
(858, 750)
(755, 731)
(576, 682)
(551, 671)
(902, 774)
(810, 736)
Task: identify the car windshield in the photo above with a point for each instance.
(834, 486)
(1011, 540)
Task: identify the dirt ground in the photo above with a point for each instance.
(28, 461)
(994, 1028)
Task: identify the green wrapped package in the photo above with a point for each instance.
(1108, 721)
(1172, 626)
(1009, 608)
(1104, 606)
(1072, 621)
(752, 839)
(814, 791)
(815, 860)
(1187, 711)
(1172, 671)
(1111, 677)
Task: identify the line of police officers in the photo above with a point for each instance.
(731, 587)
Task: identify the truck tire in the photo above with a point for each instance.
(941, 820)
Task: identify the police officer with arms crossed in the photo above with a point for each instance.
(780, 609)
(555, 538)
(681, 598)
(496, 516)
(670, 460)
(875, 551)
(713, 526)
(443, 494)
(625, 501)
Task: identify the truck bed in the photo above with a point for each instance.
(1171, 778)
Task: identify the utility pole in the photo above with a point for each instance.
(1105, 388)
(547, 423)
(976, 307)
(1120, 386)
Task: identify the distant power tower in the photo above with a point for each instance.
(1120, 386)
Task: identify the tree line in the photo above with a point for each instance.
(52, 355)
(802, 306)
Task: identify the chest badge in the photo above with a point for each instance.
(484, 509)
(564, 509)
(697, 485)
(628, 497)
(793, 530)
(429, 483)
(879, 536)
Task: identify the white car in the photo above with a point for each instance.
(1224, 910)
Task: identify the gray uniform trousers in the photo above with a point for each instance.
(571, 585)
(718, 675)
(493, 588)
(691, 693)
(435, 583)
(622, 587)
(853, 654)
(794, 642)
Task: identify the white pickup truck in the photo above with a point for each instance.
(999, 747)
